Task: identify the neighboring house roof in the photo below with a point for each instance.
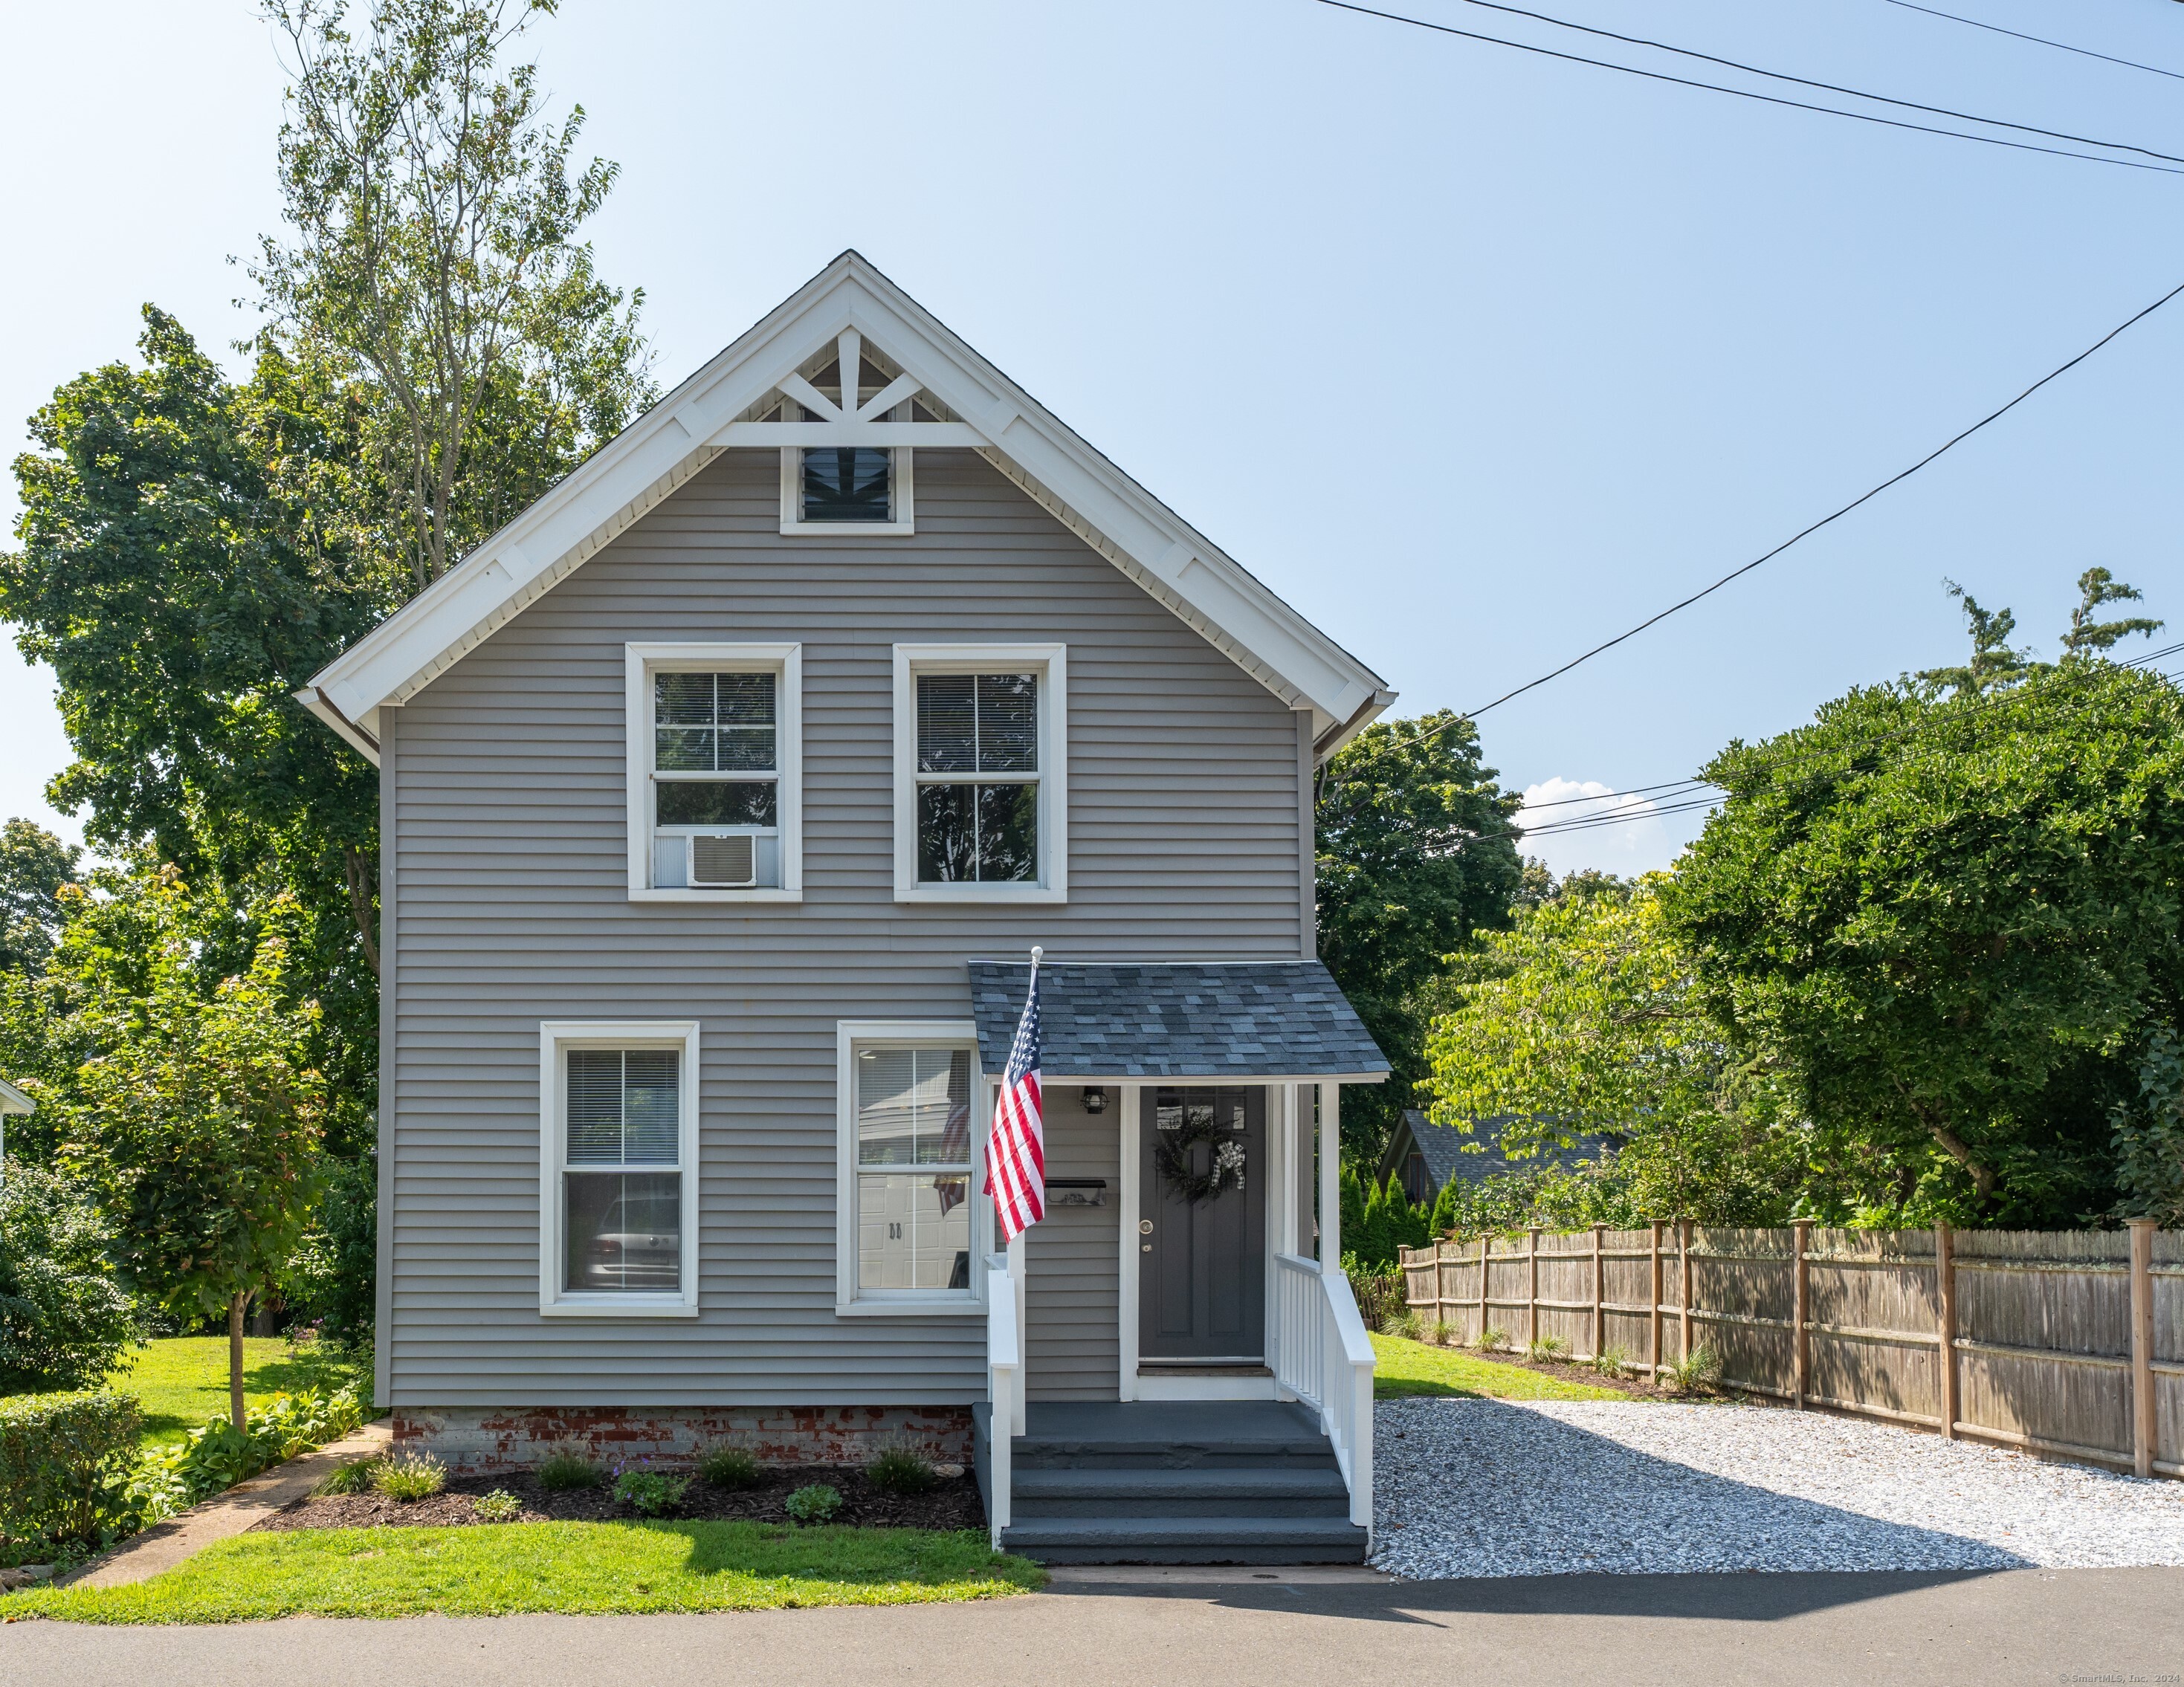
(1473, 1156)
(1243, 1020)
(13, 1100)
(723, 404)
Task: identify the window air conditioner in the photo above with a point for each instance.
(724, 859)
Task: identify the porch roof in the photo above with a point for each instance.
(1179, 1019)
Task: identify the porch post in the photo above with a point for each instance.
(1126, 1344)
(1330, 1173)
(1023, 1335)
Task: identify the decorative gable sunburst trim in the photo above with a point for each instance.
(749, 396)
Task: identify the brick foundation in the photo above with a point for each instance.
(502, 1437)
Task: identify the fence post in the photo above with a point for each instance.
(1944, 1293)
(1801, 1235)
(1598, 1299)
(1484, 1245)
(1655, 1320)
(1683, 1246)
(1532, 1264)
(2143, 1427)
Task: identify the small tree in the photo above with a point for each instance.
(199, 1121)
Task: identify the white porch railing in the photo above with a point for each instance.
(1322, 1356)
(1005, 1386)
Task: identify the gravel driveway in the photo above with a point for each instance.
(1501, 1488)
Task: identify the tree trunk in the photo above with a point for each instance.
(359, 874)
(1983, 1178)
(234, 1411)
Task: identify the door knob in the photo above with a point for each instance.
(1145, 1227)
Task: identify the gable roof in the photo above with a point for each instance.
(982, 407)
(13, 1100)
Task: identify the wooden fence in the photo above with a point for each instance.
(2065, 1342)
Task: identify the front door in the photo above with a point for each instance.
(1202, 1225)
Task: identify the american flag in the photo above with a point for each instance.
(1016, 1151)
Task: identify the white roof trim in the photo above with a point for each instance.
(13, 1100)
(685, 431)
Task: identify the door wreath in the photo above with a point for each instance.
(1171, 1156)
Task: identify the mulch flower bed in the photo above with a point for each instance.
(951, 1503)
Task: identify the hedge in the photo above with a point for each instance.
(62, 1457)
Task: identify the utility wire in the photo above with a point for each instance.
(2065, 46)
(1748, 93)
(1830, 87)
(1865, 497)
(1996, 700)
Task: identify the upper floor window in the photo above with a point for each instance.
(714, 804)
(981, 803)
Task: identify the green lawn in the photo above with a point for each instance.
(1411, 1368)
(183, 1381)
(490, 1570)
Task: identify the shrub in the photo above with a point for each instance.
(409, 1476)
(499, 1507)
(1493, 1338)
(1698, 1371)
(1546, 1347)
(353, 1477)
(1443, 1333)
(65, 1322)
(727, 1465)
(64, 1464)
(565, 1469)
(170, 1479)
(649, 1494)
(814, 1504)
(900, 1468)
(1612, 1360)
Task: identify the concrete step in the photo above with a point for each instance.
(1203, 1491)
(1187, 1540)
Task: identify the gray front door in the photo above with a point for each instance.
(1202, 1263)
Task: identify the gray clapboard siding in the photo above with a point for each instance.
(506, 864)
(1071, 1305)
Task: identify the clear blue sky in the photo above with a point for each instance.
(1474, 358)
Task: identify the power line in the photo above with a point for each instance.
(1748, 93)
(1637, 790)
(1807, 82)
(2086, 52)
(1807, 532)
(1998, 699)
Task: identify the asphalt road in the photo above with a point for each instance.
(1753, 1630)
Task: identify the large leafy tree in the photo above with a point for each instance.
(1418, 849)
(197, 1115)
(1958, 919)
(433, 248)
(1585, 1020)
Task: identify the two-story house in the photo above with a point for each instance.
(723, 794)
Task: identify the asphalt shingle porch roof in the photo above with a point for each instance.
(1176, 1020)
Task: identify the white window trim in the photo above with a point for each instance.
(850, 1035)
(901, 488)
(641, 662)
(1051, 663)
(556, 1036)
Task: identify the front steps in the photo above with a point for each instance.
(1214, 1482)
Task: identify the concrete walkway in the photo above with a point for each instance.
(1617, 1631)
(165, 1546)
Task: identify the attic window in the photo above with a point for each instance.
(848, 483)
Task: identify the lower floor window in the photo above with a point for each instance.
(911, 1165)
(621, 1146)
